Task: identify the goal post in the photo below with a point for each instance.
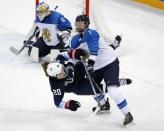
(87, 7)
(36, 3)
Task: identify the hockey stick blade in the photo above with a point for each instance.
(96, 110)
(14, 50)
(17, 52)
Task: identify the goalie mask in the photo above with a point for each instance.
(56, 70)
(42, 11)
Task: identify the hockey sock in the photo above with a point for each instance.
(119, 99)
(100, 98)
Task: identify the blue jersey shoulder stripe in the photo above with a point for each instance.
(57, 19)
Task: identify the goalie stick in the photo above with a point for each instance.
(16, 51)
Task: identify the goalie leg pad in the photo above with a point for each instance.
(34, 55)
(53, 54)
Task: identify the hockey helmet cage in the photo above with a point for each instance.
(42, 10)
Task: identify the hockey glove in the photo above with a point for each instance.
(63, 36)
(37, 32)
(72, 105)
(116, 42)
(78, 53)
(30, 43)
(60, 58)
(90, 66)
(79, 71)
(70, 70)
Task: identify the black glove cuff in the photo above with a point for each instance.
(70, 64)
(118, 38)
(112, 47)
(91, 62)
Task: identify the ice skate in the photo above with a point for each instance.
(128, 119)
(125, 81)
(104, 109)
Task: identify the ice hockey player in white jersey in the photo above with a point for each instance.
(102, 62)
(52, 30)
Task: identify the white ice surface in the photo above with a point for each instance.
(26, 102)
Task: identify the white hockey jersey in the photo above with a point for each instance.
(97, 47)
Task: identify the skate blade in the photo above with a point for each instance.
(129, 124)
(99, 112)
(103, 112)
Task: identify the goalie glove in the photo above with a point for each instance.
(36, 35)
(72, 105)
(37, 32)
(63, 36)
(116, 42)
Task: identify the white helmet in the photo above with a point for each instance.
(42, 11)
(54, 69)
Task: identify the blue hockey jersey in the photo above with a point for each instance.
(50, 26)
(99, 51)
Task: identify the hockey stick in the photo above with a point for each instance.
(97, 86)
(56, 7)
(16, 51)
(90, 80)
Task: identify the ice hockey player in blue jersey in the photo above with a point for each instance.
(102, 62)
(51, 29)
